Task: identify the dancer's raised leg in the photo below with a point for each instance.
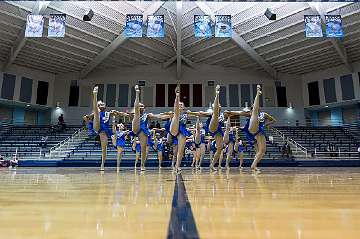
(136, 119)
(254, 119)
(216, 111)
(174, 125)
(96, 121)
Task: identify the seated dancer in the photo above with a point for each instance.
(255, 128)
(136, 146)
(178, 128)
(229, 141)
(214, 125)
(140, 125)
(118, 140)
(101, 120)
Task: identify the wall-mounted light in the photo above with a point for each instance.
(57, 105)
(290, 105)
(28, 105)
(326, 106)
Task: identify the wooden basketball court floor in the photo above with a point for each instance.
(84, 203)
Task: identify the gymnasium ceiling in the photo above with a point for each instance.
(257, 43)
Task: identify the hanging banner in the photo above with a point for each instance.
(223, 26)
(334, 26)
(34, 26)
(313, 26)
(155, 26)
(202, 26)
(56, 25)
(134, 25)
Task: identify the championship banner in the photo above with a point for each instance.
(56, 25)
(202, 26)
(313, 26)
(334, 26)
(155, 26)
(134, 25)
(34, 26)
(223, 26)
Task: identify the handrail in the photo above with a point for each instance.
(291, 141)
(63, 142)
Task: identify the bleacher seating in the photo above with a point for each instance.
(319, 137)
(27, 139)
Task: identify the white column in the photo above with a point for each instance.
(338, 89)
(17, 88)
(116, 95)
(321, 92)
(356, 82)
(191, 103)
(166, 94)
(34, 92)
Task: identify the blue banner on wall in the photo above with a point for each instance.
(56, 25)
(223, 26)
(34, 26)
(202, 26)
(155, 26)
(134, 25)
(334, 26)
(313, 26)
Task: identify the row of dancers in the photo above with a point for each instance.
(216, 132)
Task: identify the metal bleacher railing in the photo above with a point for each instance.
(294, 145)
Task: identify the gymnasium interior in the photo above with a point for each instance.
(305, 56)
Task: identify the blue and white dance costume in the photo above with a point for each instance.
(219, 128)
(144, 127)
(261, 130)
(241, 148)
(120, 138)
(104, 125)
(202, 139)
(137, 148)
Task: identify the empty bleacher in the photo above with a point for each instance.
(318, 138)
(27, 140)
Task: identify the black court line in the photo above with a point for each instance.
(182, 222)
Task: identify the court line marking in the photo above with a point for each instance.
(182, 222)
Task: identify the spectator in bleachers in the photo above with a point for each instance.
(286, 150)
(358, 150)
(271, 139)
(61, 123)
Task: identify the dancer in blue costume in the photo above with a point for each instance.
(199, 141)
(101, 123)
(159, 147)
(229, 141)
(118, 140)
(172, 140)
(178, 127)
(214, 125)
(140, 125)
(255, 128)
